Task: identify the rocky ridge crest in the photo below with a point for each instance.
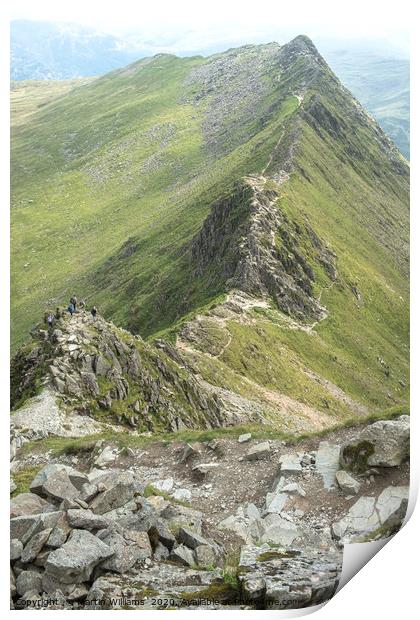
(250, 242)
(96, 369)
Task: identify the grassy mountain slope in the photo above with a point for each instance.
(27, 96)
(108, 161)
(157, 189)
(376, 75)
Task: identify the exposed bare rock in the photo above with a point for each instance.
(182, 555)
(371, 518)
(277, 579)
(92, 359)
(76, 559)
(347, 483)
(259, 451)
(259, 251)
(28, 504)
(385, 443)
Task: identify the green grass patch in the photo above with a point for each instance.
(23, 479)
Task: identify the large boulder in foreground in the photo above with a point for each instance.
(76, 559)
(383, 444)
(370, 518)
(28, 504)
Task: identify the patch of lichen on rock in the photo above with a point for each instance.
(267, 556)
(355, 457)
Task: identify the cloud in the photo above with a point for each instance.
(184, 25)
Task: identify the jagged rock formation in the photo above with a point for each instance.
(248, 241)
(94, 367)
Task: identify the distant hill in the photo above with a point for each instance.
(58, 51)
(242, 207)
(382, 85)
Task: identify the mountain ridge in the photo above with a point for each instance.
(161, 159)
(378, 77)
(228, 394)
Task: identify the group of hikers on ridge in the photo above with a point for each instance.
(74, 306)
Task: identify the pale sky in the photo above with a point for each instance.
(179, 25)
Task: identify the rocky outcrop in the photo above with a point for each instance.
(249, 243)
(383, 444)
(91, 370)
(370, 518)
(122, 534)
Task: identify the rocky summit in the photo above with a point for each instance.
(241, 225)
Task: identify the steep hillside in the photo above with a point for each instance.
(243, 207)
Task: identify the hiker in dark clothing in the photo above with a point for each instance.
(58, 314)
(82, 304)
(73, 301)
(94, 311)
(71, 309)
(50, 320)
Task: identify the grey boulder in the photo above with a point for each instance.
(126, 552)
(160, 533)
(392, 505)
(28, 581)
(76, 559)
(282, 533)
(16, 549)
(57, 486)
(275, 502)
(259, 451)
(383, 444)
(290, 465)
(347, 483)
(360, 520)
(113, 497)
(28, 504)
(191, 539)
(77, 479)
(182, 555)
(371, 518)
(35, 545)
(86, 520)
